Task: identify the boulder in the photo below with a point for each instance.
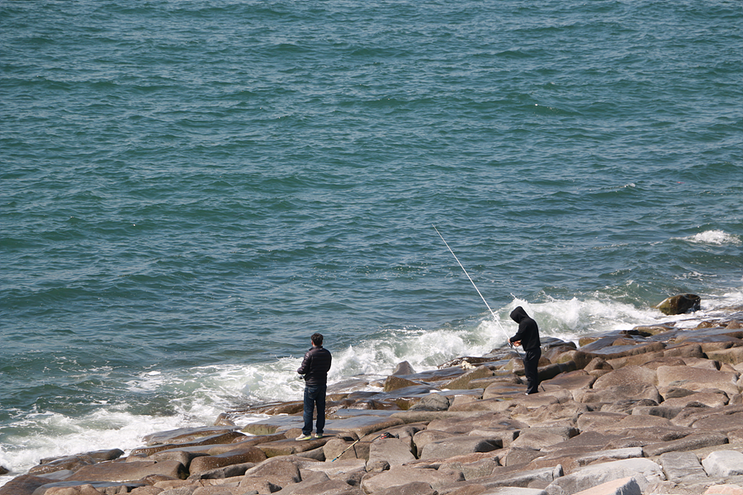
(403, 475)
(432, 402)
(23, 485)
(622, 486)
(645, 471)
(403, 369)
(230, 471)
(538, 438)
(724, 490)
(679, 304)
(392, 450)
(290, 446)
(724, 463)
(472, 466)
(279, 471)
(395, 382)
(463, 381)
(213, 434)
(320, 484)
(423, 438)
(241, 456)
(86, 489)
(414, 488)
(697, 379)
(682, 467)
(74, 462)
(128, 471)
(573, 380)
(712, 399)
(610, 454)
(508, 477)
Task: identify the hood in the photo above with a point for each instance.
(518, 314)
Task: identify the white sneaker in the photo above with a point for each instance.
(317, 435)
(303, 437)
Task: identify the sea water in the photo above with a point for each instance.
(189, 190)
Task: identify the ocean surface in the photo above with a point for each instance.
(190, 189)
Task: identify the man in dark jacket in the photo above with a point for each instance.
(528, 338)
(315, 366)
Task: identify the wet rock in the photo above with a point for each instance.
(129, 471)
(214, 434)
(463, 381)
(75, 462)
(23, 485)
(240, 456)
(403, 369)
(679, 304)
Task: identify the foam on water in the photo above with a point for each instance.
(717, 237)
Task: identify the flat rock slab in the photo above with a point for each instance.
(682, 467)
(612, 454)
(240, 456)
(393, 451)
(697, 379)
(360, 425)
(644, 471)
(724, 463)
(512, 477)
(287, 447)
(690, 442)
(187, 435)
(622, 486)
(459, 445)
(402, 475)
(128, 471)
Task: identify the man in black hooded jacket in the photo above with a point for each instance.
(528, 338)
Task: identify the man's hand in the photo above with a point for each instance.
(517, 343)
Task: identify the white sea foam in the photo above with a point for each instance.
(717, 237)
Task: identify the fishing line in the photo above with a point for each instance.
(497, 320)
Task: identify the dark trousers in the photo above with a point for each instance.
(531, 369)
(314, 395)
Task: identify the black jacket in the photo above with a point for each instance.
(528, 332)
(315, 366)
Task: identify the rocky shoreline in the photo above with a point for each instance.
(652, 410)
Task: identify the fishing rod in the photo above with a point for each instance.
(497, 320)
